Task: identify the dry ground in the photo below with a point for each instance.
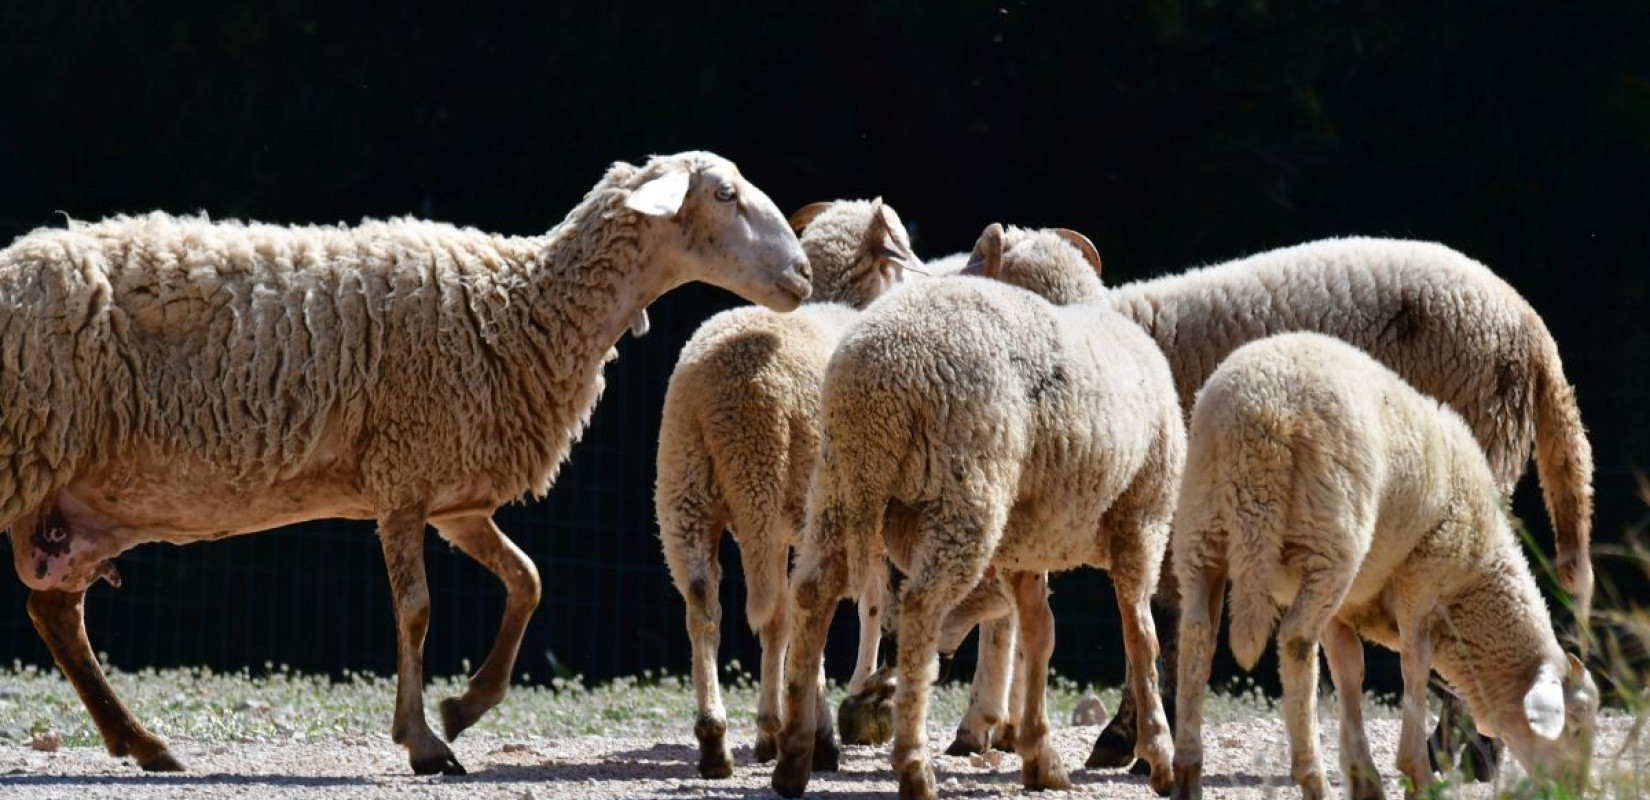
(285, 736)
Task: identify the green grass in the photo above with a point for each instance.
(278, 705)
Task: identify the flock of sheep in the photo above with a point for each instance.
(1332, 429)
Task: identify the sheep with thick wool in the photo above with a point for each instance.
(1320, 482)
(173, 379)
(1022, 434)
(736, 449)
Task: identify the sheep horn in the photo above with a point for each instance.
(1082, 243)
(806, 214)
(987, 258)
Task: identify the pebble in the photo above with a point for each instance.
(47, 742)
(252, 705)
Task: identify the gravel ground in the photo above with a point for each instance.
(247, 737)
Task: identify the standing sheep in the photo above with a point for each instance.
(1319, 481)
(170, 379)
(1023, 434)
(736, 449)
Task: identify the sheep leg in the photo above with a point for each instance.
(766, 612)
(866, 715)
(1345, 653)
(60, 619)
(1319, 597)
(696, 569)
(402, 535)
(1200, 606)
(1040, 763)
(950, 569)
(988, 700)
(1415, 661)
(1152, 743)
(816, 585)
(1456, 742)
(479, 538)
(1008, 738)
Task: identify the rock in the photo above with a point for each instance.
(1089, 711)
(990, 758)
(253, 705)
(47, 742)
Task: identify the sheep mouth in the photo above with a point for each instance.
(793, 284)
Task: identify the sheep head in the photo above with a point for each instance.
(1059, 264)
(1559, 710)
(858, 249)
(704, 222)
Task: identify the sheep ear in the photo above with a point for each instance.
(806, 214)
(1578, 670)
(662, 196)
(1082, 243)
(1544, 707)
(886, 237)
(987, 258)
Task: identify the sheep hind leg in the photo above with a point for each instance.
(1345, 653)
(480, 539)
(768, 613)
(1319, 597)
(946, 577)
(696, 569)
(1114, 747)
(401, 533)
(816, 586)
(60, 619)
(1040, 763)
(1199, 622)
(1152, 742)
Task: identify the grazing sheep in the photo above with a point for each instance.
(1442, 321)
(1319, 481)
(172, 379)
(1023, 434)
(737, 446)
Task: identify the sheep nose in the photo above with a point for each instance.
(804, 269)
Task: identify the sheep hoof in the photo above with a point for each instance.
(1161, 780)
(966, 744)
(443, 763)
(1114, 748)
(453, 719)
(866, 719)
(767, 748)
(1042, 772)
(1188, 782)
(1365, 786)
(790, 775)
(714, 760)
(826, 753)
(161, 762)
(1140, 767)
(916, 781)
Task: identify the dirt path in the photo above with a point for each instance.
(1246, 760)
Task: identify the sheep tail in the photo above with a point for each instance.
(1264, 474)
(1564, 460)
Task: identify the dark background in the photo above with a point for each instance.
(1172, 133)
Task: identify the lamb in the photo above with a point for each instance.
(1318, 480)
(1442, 321)
(736, 448)
(171, 379)
(1018, 433)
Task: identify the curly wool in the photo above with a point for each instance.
(1444, 322)
(437, 353)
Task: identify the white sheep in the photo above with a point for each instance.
(737, 443)
(1319, 481)
(1444, 322)
(171, 379)
(1024, 434)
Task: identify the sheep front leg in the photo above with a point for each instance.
(1345, 653)
(479, 538)
(59, 618)
(988, 700)
(816, 585)
(866, 715)
(1007, 739)
(1415, 661)
(1199, 622)
(402, 535)
(1040, 762)
(1152, 744)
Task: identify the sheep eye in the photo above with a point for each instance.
(725, 193)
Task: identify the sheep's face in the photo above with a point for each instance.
(1060, 265)
(1560, 712)
(858, 249)
(716, 227)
